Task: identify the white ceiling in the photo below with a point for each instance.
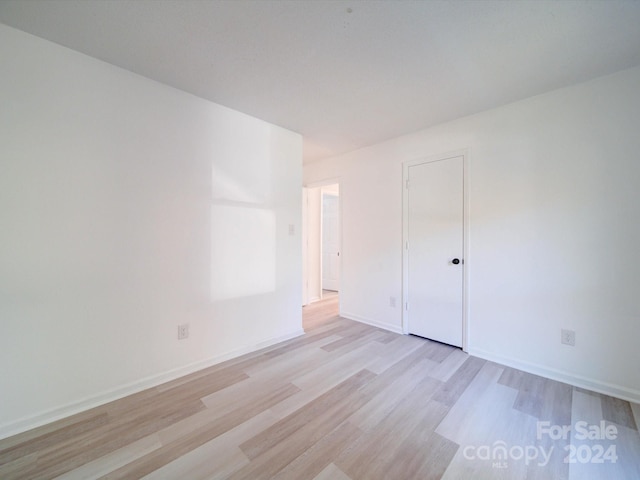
(347, 74)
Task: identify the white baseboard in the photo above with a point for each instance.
(373, 323)
(52, 415)
(617, 391)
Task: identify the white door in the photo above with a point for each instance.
(434, 249)
(330, 242)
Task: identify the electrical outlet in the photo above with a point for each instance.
(568, 337)
(183, 331)
(392, 302)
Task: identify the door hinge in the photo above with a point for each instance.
(406, 245)
(406, 306)
(406, 183)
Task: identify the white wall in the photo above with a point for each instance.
(554, 230)
(126, 208)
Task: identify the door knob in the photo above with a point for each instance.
(455, 261)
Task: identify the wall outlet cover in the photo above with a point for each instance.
(568, 337)
(183, 331)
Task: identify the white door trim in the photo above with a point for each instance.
(466, 223)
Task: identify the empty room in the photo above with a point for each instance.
(319, 239)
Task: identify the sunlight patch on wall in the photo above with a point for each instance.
(243, 251)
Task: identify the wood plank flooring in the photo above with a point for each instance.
(346, 401)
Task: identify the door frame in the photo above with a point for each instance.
(464, 153)
(307, 296)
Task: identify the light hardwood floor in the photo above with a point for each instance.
(344, 401)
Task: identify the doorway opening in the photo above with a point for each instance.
(321, 243)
